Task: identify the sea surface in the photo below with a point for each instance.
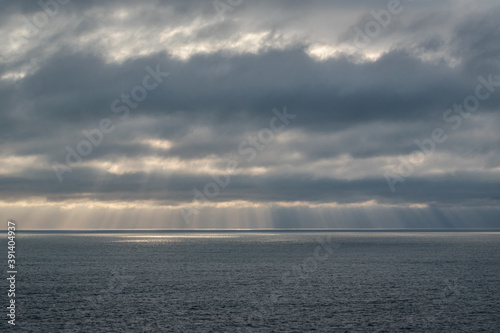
(258, 282)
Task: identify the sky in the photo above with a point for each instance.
(250, 114)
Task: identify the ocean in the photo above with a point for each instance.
(258, 282)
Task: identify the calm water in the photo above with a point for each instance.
(259, 282)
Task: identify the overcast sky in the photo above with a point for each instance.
(243, 114)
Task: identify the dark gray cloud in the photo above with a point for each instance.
(358, 110)
(474, 189)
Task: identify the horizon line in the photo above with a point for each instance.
(261, 230)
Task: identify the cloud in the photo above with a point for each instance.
(359, 110)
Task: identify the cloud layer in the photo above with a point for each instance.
(402, 127)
